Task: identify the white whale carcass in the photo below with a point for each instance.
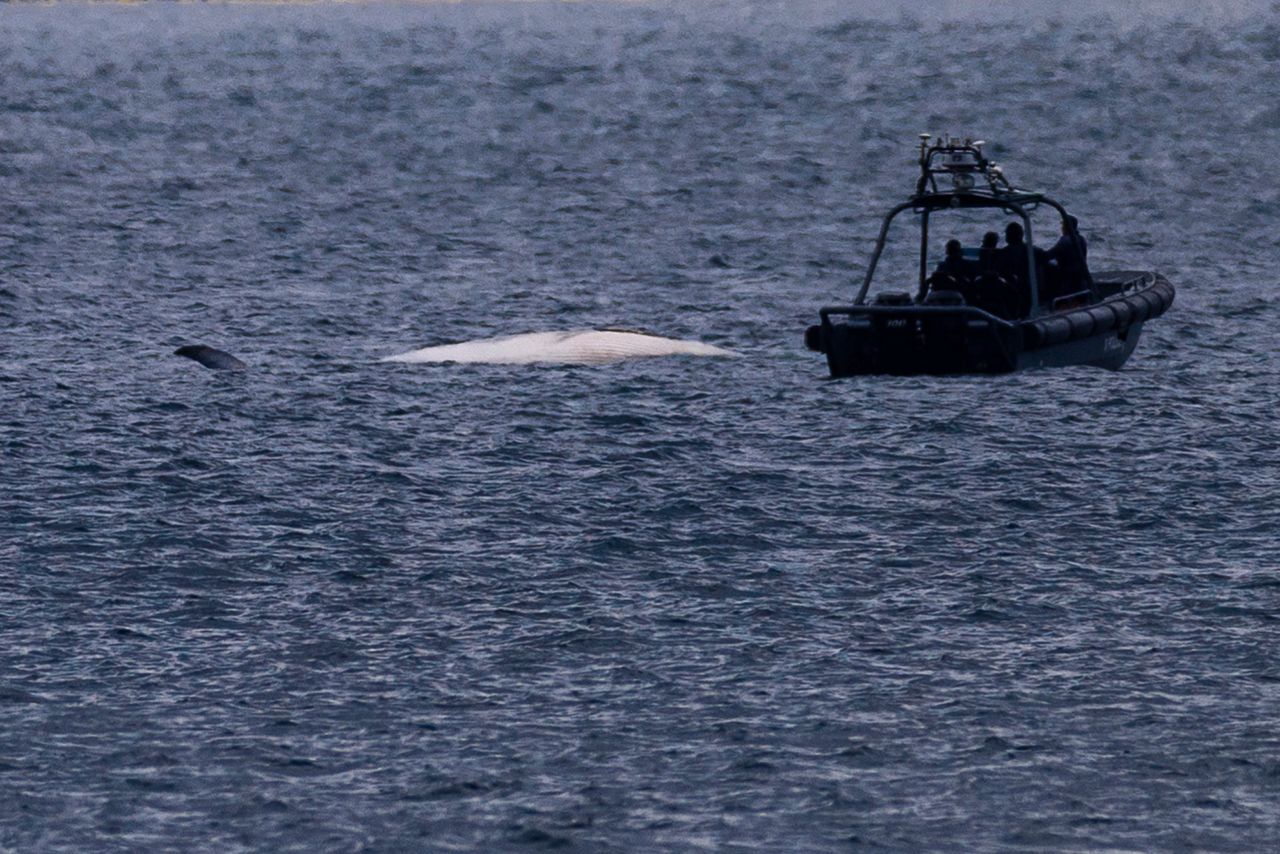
(577, 347)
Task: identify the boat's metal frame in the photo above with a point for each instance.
(1100, 325)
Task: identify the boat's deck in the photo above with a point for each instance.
(1112, 282)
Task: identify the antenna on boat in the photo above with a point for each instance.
(960, 157)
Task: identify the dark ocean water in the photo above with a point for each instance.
(667, 604)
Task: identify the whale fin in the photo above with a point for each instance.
(211, 357)
(575, 347)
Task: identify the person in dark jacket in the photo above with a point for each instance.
(1013, 258)
(988, 255)
(992, 291)
(954, 271)
(1068, 259)
(955, 264)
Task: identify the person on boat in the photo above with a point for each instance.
(1068, 259)
(991, 290)
(954, 272)
(988, 254)
(955, 264)
(1013, 260)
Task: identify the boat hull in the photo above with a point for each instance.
(1108, 350)
(942, 340)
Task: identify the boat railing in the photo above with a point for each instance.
(970, 312)
(1072, 300)
(1118, 282)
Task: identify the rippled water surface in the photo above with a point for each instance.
(331, 603)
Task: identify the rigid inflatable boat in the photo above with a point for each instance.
(992, 312)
